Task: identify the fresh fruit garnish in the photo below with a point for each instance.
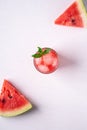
(75, 15)
(45, 60)
(41, 52)
(12, 102)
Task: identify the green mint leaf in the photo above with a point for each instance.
(37, 55)
(39, 50)
(47, 50)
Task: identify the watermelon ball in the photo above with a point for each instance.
(45, 60)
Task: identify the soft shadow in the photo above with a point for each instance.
(31, 111)
(66, 61)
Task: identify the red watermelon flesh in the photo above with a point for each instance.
(12, 102)
(75, 15)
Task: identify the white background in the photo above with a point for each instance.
(59, 99)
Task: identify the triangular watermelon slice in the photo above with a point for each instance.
(12, 102)
(75, 15)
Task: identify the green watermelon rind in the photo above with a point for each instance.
(17, 111)
(83, 12)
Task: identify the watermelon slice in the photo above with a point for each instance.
(12, 102)
(75, 15)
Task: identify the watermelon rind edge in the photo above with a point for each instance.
(17, 111)
(83, 12)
